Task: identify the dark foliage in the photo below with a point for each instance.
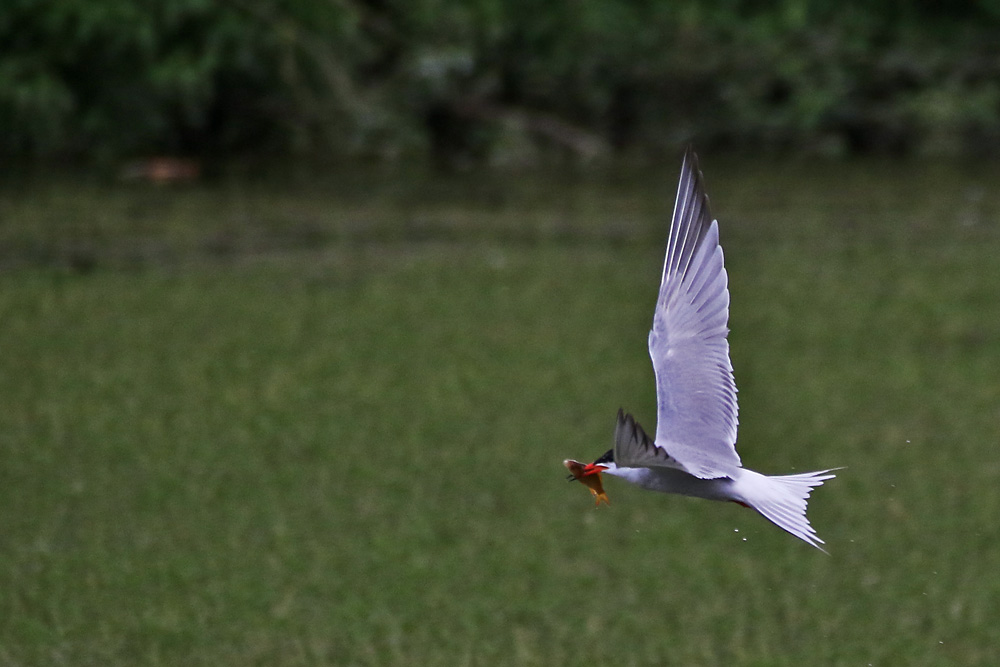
(495, 79)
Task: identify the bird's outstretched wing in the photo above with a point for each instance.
(695, 391)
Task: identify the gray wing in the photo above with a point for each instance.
(695, 391)
(635, 449)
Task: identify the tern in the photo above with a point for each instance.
(694, 451)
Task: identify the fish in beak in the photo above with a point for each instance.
(590, 475)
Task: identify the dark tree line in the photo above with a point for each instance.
(475, 80)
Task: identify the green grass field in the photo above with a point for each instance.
(323, 424)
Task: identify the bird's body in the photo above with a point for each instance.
(694, 452)
(673, 480)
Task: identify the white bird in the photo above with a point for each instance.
(694, 452)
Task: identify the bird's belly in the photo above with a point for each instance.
(672, 480)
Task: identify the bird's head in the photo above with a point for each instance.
(590, 475)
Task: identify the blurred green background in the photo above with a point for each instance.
(303, 304)
(500, 80)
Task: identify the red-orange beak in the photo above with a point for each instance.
(590, 475)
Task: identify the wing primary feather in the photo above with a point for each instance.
(686, 198)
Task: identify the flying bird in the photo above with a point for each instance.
(694, 451)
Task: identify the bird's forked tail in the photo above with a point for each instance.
(782, 499)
